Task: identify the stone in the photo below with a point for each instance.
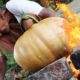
(58, 70)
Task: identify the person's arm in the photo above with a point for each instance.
(45, 13)
(23, 7)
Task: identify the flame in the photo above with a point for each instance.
(72, 25)
(72, 30)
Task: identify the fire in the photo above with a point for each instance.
(72, 30)
(72, 25)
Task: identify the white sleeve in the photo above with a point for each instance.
(32, 7)
(13, 7)
(19, 7)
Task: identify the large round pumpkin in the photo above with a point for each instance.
(40, 45)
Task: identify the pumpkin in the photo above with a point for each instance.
(41, 44)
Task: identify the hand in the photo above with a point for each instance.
(27, 24)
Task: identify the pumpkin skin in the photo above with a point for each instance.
(40, 45)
